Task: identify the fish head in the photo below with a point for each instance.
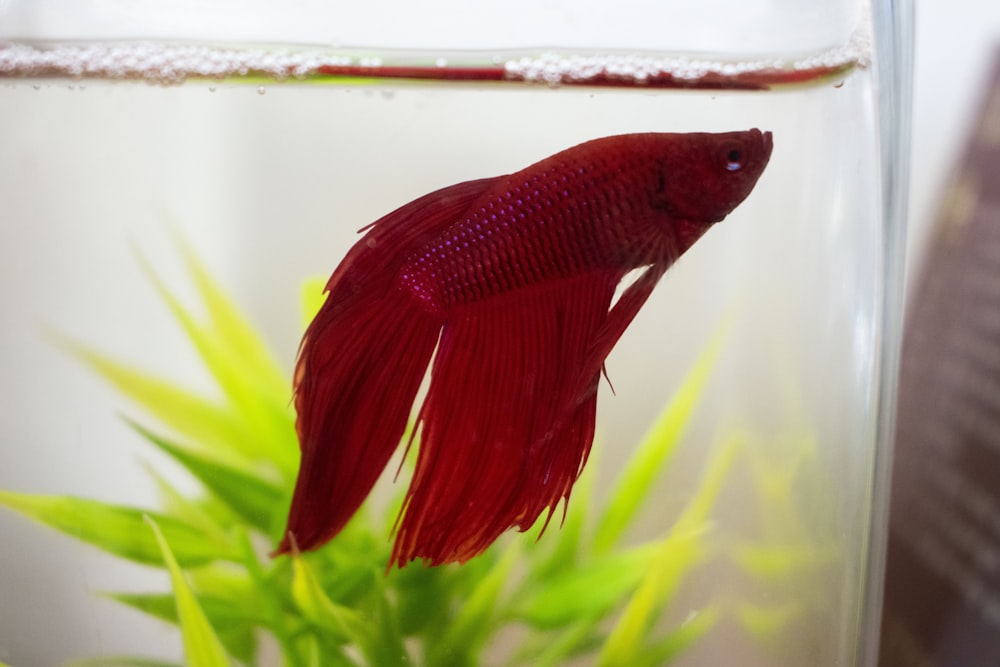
(704, 176)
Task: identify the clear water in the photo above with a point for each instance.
(270, 184)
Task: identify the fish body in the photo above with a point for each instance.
(507, 284)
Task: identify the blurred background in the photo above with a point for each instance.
(956, 41)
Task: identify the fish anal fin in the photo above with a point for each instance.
(504, 430)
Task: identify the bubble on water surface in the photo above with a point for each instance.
(164, 63)
(169, 64)
(639, 69)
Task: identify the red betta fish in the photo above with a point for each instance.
(511, 279)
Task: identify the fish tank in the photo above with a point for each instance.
(606, 377)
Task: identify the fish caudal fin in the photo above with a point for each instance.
(358, 373)
(508, 420)
(360, 365)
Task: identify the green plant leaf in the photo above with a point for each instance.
(208, 520)
(674, 557)
(343, 625)
(157, 605)
(656, 450)
(118, 530)
(385, 646)
(471, 626)
(350, 578)
(680, 640)
(196, 418)
(261, 504)
(595, 588)
(780, 561)
(268, 420)
(313, 296)
(764, 622)
(779, 465)
(312, 651)
(426, 597)
(583, 636)
(231, 328)
(372, 627)
(202, 647)
(234, 623)
(677, 553)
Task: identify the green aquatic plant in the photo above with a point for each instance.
(579, 591)
(795, 553)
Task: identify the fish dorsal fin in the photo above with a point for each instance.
(395, 236)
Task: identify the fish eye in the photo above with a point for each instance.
(734, 160)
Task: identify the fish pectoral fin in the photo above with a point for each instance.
(617, 320)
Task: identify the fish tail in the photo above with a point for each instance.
(360, 365)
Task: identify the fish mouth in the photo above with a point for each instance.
(766, 141)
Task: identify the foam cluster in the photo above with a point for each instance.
(165, 63)
(160, 63)
(555, 69)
